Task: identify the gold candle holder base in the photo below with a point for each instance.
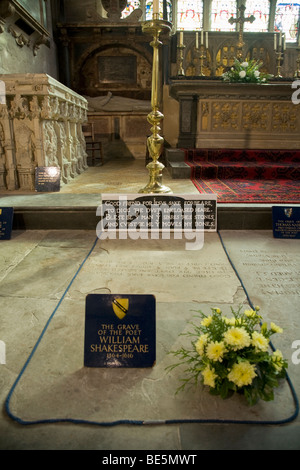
(155, 184)
(155, 142)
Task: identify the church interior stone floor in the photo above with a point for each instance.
(127, 175)
(40, 281)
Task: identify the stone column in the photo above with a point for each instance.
(8, 173)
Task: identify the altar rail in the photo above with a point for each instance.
(40, 125)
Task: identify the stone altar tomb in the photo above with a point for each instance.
(40, 125)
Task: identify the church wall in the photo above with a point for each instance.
(75, 11)
(21, 52)
(13, 59)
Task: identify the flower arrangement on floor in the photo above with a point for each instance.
(232, 355)
(246, 72)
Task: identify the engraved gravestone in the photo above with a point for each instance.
(160, 211)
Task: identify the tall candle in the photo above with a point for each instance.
(284, 42)
(280, 38)
(275, 42)
(181, 38)
(197, 40)
(201, 37)
(206, 39)
(155, 7)
(299, 40)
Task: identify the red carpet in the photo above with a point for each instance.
(247, 176)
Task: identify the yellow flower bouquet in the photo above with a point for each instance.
(233, 355)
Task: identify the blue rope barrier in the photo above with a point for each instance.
(128, 421)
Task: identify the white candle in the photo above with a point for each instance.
(197, 40)
(155, 7)
(284, 43)
(206, 39)
(181, 38)
(275, 42)
(280, 38)
(201, 37)
(299, 40)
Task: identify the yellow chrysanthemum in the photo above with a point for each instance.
(277, 359)
(230, 321)
(260, 342)
(209, 377)
(215, 350)
(276, 328)
(201, 343)
(250, 313)
(217, 310)
(237, 338)
(242, 373)
(206, 321)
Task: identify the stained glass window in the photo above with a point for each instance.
(260, 10)
(131, 5)
(221, 11)
(287, 19)
(163, 5)
(189, 14)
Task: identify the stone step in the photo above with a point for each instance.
(229, 217)
(176, 164)
(174, 155)
(179, 170)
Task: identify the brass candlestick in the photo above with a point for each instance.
(279, 49)
(180, 71)
(278, 60)
(200, 53)
(155, 142)
(297, 71)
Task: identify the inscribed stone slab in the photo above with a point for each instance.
(159, 267)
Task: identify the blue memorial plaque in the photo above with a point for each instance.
(120, 330)
(6, 221)
(47, 179)
(286, 222)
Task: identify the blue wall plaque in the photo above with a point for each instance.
(6, 221)
(286, 222)
(120, 330)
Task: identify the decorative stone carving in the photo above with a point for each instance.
(41, 125)
(21, 23)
